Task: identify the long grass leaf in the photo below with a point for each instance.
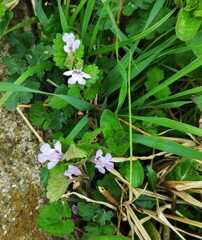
(192, 66)
(87, 15)
(169, 123)
(79, 126)
(167, 146)
(75, 102)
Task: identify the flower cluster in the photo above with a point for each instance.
(102, 162)
(71, 46)
(55, 155)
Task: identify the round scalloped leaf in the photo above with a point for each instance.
(55, 219)
(93, 71)
(58, 52)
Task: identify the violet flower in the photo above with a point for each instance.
(72, 170)
(71, 43)
(102, 162)
(76, 76)
(53, 155)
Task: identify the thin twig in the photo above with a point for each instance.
(29, 125)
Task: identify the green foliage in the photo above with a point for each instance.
(87, 210)
(145, 201)
(55, 219)
(74, 152)
(95, 230)
(20, 43)
(39, 54)
(189, 20)
(57, 186)
(152, 177)
(188, 170)
(111, 185)
(59, 55)
(44, 175)
(38, 114)
(113, 133)
(15, 64)
(56, 102)
(154, 76)
(22, 97)
(137, 172)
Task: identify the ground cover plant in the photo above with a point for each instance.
(118, 85)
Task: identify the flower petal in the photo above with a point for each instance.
(86, 75)
(58, 147)
(52, 164)
(68, 73)
(71, 80)
(81, 81)
(99, 153)
(42, 158)
(45, 148)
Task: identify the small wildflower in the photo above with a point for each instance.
(71, 43)
(76, 76)
(72, 170)
(102, 162)
(53, 155)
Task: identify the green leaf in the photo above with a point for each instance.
(152, 176)
(9, 88)
(102, 216)
(196, 43)
(91, 92)
(167, 146)
(58, 51)
(56, 102)
(145, 201)
(151, 230)
(15, 64)
(87, 210)
(95, 230)
(113, 133)
(39, 54)
(111, 126)
(20, 43)
(188, 170)
(74, 152)
(57, 186)
(5, 21)
(54, 218)
(137, 172)
(187, 25)
(111, 185)
(93, 71)
(89, 137)
(154, 76)
(169, 123)
(44, 176)
(38, 114)
(110, 238)
(198, 101)
(23, 97)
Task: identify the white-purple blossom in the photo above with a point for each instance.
(76, 76)
(102, 162)
(71, 43)
(53, 155)
(72, 170)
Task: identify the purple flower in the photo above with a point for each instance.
(72, 170)
(53, 155)
(71, 43)
(76, 76)
(102, 162)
